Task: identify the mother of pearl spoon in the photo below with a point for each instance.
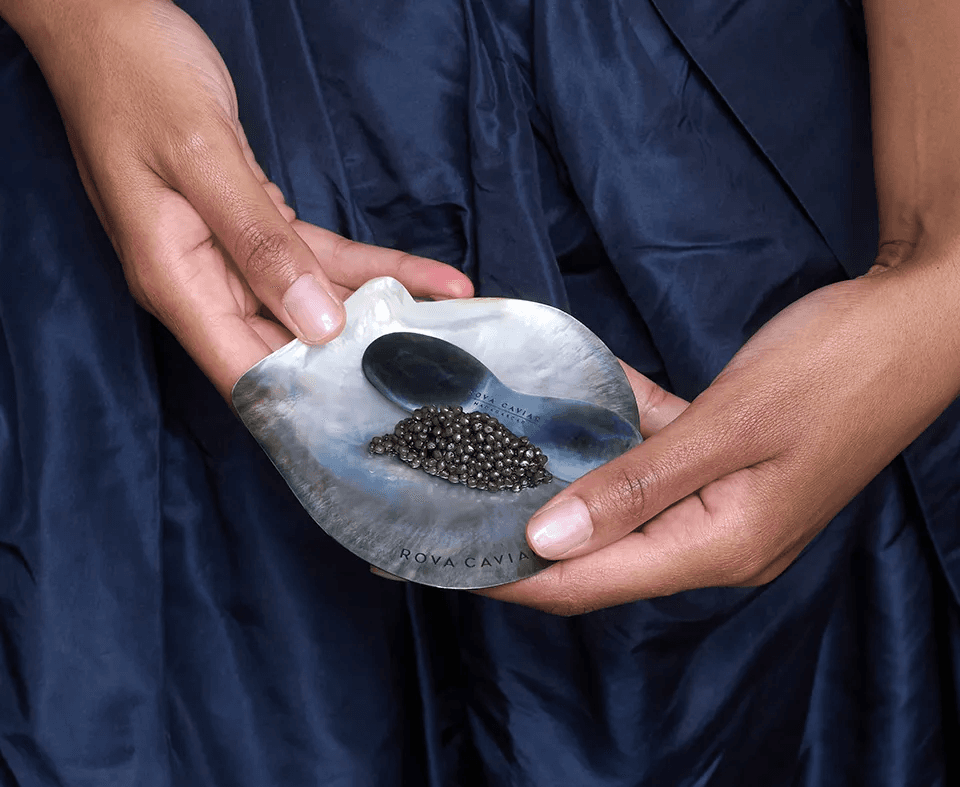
(413, 370)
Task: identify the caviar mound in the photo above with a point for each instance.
(473, 449)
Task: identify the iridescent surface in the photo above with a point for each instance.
(415, 370)
(314, 413)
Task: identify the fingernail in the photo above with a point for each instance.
(313, 310)
(557, 529)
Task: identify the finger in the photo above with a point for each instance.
(273, 191)
(178, 272)
(221, 331)
(565, 524)
(224, 341)
(249, 156)
(224, 349)
(692, 544)
(276, 196)
(350, 264)
(273, 334)
(280, 268)
(643, 564)
(379, 572)
(617, 498)
(657, 406)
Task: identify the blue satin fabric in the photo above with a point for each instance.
(674, 174)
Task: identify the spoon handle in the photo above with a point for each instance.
(580, 436)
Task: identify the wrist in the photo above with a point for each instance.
(45, 25)
(917, 287)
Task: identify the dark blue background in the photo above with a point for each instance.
(674, 174)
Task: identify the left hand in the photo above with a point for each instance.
(207, 243)
(728, 490)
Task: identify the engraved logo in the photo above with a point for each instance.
(478, 561)
(502, 409)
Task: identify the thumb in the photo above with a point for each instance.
(278, 265)
(617, 498)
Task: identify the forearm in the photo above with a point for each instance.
(43, 24)
(914, 49)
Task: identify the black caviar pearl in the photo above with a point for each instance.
(474, 449)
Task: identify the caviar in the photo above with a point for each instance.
(473, 449)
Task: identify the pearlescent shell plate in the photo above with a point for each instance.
(313, 412)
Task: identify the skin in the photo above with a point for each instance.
(729, 488)
(207, 243)
(726, 490)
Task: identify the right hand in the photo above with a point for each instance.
(207, 243)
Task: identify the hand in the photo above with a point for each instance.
(207, 243)
(728, 490)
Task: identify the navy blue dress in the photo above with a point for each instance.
(672, 172)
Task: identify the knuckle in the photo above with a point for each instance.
(655, 398)
(193, 144)
(182, 153)
(341, 246)
(199, 139)
(558, 591)
(629, 492)
(406, 265)
(193, 147)
(265, 251)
